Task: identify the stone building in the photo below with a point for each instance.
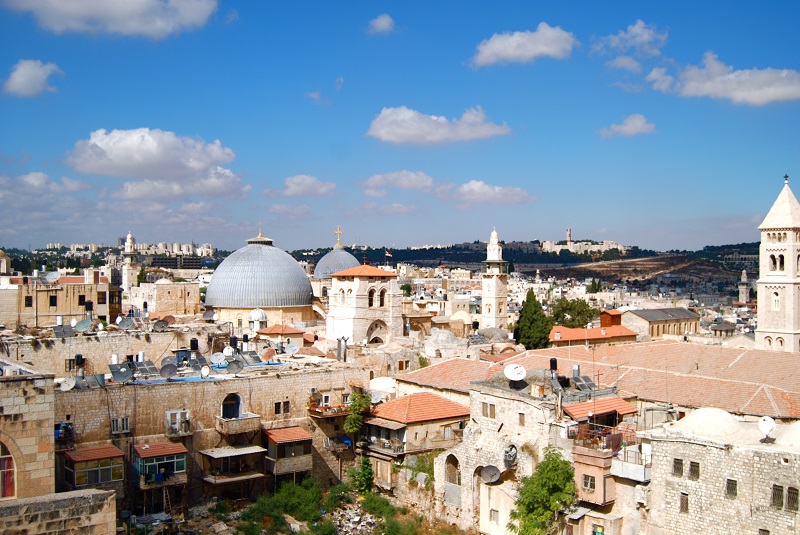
(615, 334)
(365, 306)
(779, 275)
(653, 323)
(337, 259)
(165, 297)
(494, 286)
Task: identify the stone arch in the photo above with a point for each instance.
(231, 406)
(324, 291)
(773, 263)
(349, 297)
(378, 332)
(341, 296)
(382, 298)
(776, 301)
(781, 263)
(8, 489)
(371, 298)
(477, 481)
(768, 342)
(452, 470)
(779, 342)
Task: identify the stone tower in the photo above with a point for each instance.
(779, 278)
(494, 286)
(744, 288)
(130, 269)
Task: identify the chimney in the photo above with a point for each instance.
(558, 335)
(603, 331)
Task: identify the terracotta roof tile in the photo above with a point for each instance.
(158, 449)
(280, 329)
(106, 451)
(422, 407)
(364, 271)
(599, 406)
(593, 334)
(452, 374)
(287, 434)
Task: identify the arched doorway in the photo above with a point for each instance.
(230, 406)
(377, 333)
(452, 470)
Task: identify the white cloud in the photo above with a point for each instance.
(376, 209)
(524, 47)
(404, 125)
(639, 38)
(314, 96)
(146, 153)
(479, 192)
(304, 185)
(382, 24)
(232, 16)
(756, 87)
(660, 79)
(149, 18)
(339, 83)
(629, 88)
(626, 63)
(632, 125)
(375, 186)
(29, 78)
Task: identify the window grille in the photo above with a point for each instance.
(677, 467)
(777, 496)
(684, 502)
(731, 488)
(694, 470)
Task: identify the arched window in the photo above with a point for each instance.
(452, 471)
(768, 342)
(780, 263)
(230, 406)
(371, 298)
(773, 262)
(341, 296)
(324, 291)
(488, 309)
(350, 297)
(776, 301)
(383, 298)
(779, 342)
(7, 481)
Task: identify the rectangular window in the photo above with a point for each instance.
(677, 467)
(82, 474)
(487, 410)
(448, 432)
(494, 515)
(28, 301)
(598, 530)
(53, 300)
(81, 300)
(285, 407)
(763, 532)
(791, 499)
(345, 399)
(119, 425)
(731, 488)
(277, 407)
(101, 298)
(588, 483)
(522, 419)
(69, 365)
(694, 470)
(777, 496)
(177, 422)
(684, 502)
(326, 400)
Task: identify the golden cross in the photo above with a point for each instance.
(338, 233)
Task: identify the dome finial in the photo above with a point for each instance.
(338, 233)
(786, 179)
(259, 230)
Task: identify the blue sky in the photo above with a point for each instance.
(663, 125)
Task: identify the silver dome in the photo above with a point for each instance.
(259, 276)
(336, 260)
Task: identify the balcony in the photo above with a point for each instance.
(178, 430)
(392, 446)
(247, 422)
(153, 482)
(633, 462)
(289, 465)
(328, 411)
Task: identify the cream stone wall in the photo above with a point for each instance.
(79, 512)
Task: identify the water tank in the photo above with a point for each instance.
(89, 306)
(194, 345)
(553, 364)
(576, 370)
(245, 338)
(234, 342)
(79, 359)
(59, 320)
(476, 325)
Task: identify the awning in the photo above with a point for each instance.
(159, 449)
(231, 451)
(383, 422)
(106, 451)
(578, 513)
(599, 407)
(287, 434)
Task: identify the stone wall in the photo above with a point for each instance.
(82, 512)
(26, 428)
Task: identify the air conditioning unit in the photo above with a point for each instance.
(315, 391)
(8, 371)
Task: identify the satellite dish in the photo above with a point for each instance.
(101, 327)
(216, 317)
(291, 349)
(127, 323)
(83, 326)
(515, 372)
(67, 384)
(121, 372)
(235, 367)
(490, 474)
(374, 397)
(218, 358)
(74, 322)
(118, 320)
(169, 319)
(168, 370)
(204, 371)
(160, 326)
(766, 425)
(228, 351)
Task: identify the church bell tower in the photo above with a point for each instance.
(494, 286)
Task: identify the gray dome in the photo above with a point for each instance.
(259, 276)
(336, 260)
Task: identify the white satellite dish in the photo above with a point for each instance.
(67, 384)
(291, 349)
(204, 371)
(217, 358)
(216, 317)
(118, 320)
(766, 425)
(227, 352)
(74, 322)
(515, 372)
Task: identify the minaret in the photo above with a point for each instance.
(744, 288)
(778, 278)
(494, 286)
(130, 269)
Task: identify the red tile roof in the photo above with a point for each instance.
(106, 451)
(451, 374)
(613, 312)
(287, 434)
(158, 449)
(280, 329)
(500, 357)
(422, 407)
(599, 406)
(593, 334)
(311, 351)
(364, 271)
(78, 279)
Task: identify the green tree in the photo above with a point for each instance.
(141, 277)
(406, 289)
(362, 476)
(549, 489)
(533, 327)
(359, 404)
(573, 313)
